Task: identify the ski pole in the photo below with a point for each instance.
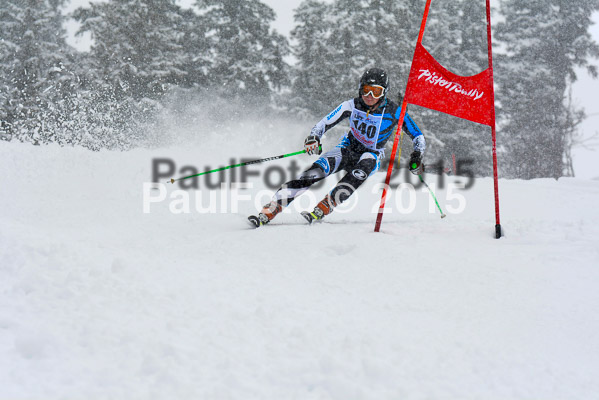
(239, 165)
(432, 194)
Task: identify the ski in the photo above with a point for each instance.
(261, 220)
(254, 221)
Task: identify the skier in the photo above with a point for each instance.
(372, 120)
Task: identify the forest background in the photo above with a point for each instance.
(137, 65)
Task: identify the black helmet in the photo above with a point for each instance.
(374, 76)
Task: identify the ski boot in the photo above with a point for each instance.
(269, 211)
(325, 207)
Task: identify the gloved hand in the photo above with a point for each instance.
(312, 145)
(415, 164)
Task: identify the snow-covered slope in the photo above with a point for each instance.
(100, 300)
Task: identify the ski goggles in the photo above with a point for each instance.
(375, 90)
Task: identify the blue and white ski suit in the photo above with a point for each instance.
(360, 152)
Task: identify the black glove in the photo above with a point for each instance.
(415, 165)
(312, 145)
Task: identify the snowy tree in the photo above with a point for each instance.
(36, 71)
(335, 43)
(137, 45)
(247, 55)
(544, 41)
(387, 33)
(197, 49)
(135, 59)
(313, 81)
(351, 45)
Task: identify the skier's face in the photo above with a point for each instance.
(369, 99)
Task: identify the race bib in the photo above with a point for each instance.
(366, 127)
